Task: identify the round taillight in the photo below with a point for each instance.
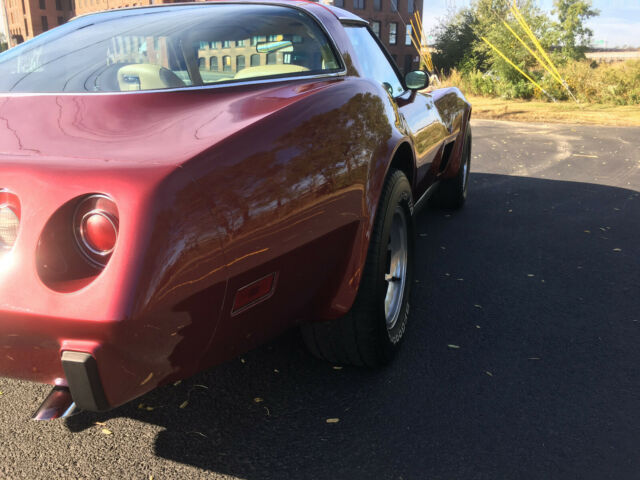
(96, 228)
(9, 223)
(99, 232)
(9, 219)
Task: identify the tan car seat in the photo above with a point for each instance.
(268, 70)
(147, 76)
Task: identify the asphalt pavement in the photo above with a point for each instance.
(522, 359)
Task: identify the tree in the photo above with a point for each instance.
(3, 42)
(491, 16)
(574, 37)
(455, 38)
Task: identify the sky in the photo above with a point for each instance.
(617, 25)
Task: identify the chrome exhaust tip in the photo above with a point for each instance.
(58, 404)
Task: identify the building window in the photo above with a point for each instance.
(60, 20)
(239, 63)
(258, 39)
(43, 4)
(226, 44)
(375, 26)
(393, 33)
(26, 28)
(213, 64)
(240, 43)
(377, 5)
(358, 4)
(407, 35)
(58, 4)
(410, 7)
(255, 60)
(394, 5)
(408, 63)
(338, 3)
(272, 58)
(45, 23)
(226, 63)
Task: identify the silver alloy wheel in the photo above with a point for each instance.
(396, 276)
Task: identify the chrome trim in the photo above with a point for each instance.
(180, 89)
(101, 213)
(58, 404)
(422, 201)
(78, 235)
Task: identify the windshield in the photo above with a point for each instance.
(169, 47)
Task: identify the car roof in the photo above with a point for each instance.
(341, 14)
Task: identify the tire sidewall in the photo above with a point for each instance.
(400, 195)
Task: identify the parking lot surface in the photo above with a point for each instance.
(522, 358)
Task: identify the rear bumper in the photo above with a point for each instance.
(83, 379)
(104, 363)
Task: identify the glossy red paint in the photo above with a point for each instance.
(216, 188)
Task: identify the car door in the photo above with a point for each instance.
(420, 116)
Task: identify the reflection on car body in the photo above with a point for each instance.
(181, 183)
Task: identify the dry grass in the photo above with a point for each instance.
(561, 112)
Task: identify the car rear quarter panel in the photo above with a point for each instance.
(293, 194)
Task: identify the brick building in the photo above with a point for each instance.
(28, 18)
(390, 20)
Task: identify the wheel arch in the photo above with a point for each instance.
(398, 155)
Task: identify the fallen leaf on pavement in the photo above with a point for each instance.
(106, 431)
(333, 420)
(453, 346)
(184, 404)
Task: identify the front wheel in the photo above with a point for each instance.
(371, 333)
(452, 193)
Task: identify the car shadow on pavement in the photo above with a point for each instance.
(522, 359)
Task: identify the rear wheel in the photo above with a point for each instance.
(452, 193)
(371, 333)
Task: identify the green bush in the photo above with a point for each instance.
(617, 84)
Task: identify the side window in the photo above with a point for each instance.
(374, 62)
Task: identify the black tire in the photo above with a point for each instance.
(452, 193)
(363, 337)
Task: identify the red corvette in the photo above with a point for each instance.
(181, 183)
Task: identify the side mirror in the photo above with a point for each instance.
(416, 80)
